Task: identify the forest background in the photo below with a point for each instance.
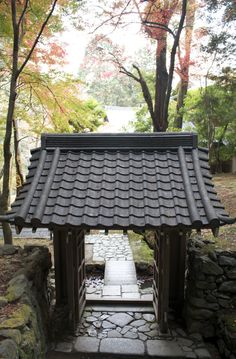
(173, 62)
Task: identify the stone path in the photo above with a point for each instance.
(134, 332)
(27, 233)
(109, 247)
(120, 280)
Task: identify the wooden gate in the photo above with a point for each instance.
(169, 274)
(69, 254)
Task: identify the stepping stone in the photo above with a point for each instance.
(111, 290)
(120, 272)
(108, 325)
(144, 328)
(149, 317)
(90, 319)
(120, 319)
(164, 348)
(114, 334)
(125, 329)
(153, 333)
(122, 346)
(138, 323)
(87, 345)
(131, 335)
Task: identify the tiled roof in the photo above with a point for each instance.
(119, 181)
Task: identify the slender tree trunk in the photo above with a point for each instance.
(18, 162)
(17, 22)
(10, 113)
(7, 159)
(182, 92)
(160, 123)
(184, 66)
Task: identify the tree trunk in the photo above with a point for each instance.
(7, 140)
(160, 123)
(18, 163)
(182, 92)
(185, 63)
(7, 159)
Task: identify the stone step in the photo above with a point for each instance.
(120, 273)
(120, 347)
(124, 307)
(106, 299)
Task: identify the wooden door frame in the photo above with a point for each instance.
(169, 274)
(169, 258)
(67, 277)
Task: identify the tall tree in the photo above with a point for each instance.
(155, 16)
(211, 110)
(29, 21)
(102, 77)
(221, 37)
(184, 55)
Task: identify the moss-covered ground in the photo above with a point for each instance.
(225, 185)
(141, 251)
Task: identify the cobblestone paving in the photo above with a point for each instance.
(131, 332)
(109, 247)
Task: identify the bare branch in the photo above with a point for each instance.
(137, 7)
(23, 12)
(112, 18)
(37, 38)
(158, 25)
(124, 71)
(146, 92)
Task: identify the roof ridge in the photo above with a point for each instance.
(121, 141)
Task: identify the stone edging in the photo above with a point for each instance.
(211, 294)
(23, 333)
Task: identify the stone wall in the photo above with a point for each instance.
(211, 294)
(24, 306)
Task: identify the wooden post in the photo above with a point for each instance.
(69, 259)
(163, 281)
(57, 265)
(81, 274)
(182, 268)
(59, 242)
(70, 279)
(156, 275)
(76, 279)
(177, 269)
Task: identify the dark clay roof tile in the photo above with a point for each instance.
(119, 187)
